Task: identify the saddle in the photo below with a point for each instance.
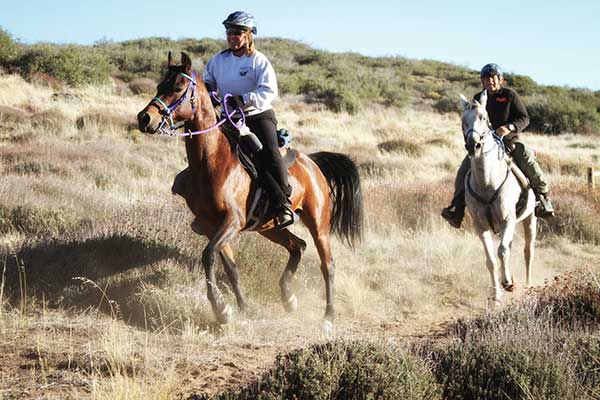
(263, 184)
(260, 210)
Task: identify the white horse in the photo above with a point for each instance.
(491, 193)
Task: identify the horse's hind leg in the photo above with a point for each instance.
(231, 270)
(529, 230)
(295, 246)
(321, 239)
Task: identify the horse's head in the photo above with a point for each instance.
(475, 123)
(169, 107)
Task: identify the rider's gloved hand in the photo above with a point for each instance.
(235, 102)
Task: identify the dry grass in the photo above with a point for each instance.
(81, 195)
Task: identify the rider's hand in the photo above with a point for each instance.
(235, 102)
(503, 131)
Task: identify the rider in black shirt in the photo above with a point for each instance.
(508, 117)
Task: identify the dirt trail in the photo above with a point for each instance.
(58, 354)
(48, 360)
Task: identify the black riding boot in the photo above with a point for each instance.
(543, 206)
(280, 199)
(455, 213)
(285, 214)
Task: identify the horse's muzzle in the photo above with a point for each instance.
(144, 120)
(473, 145)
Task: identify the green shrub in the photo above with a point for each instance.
(143, 58)
(343, 370)
(394, 90)
(340, 99)
(205, 48)
(448, 104)
(9, 49)
(586, 360)
(76, 65)
(545, 346)
(442, 70)
(559, 110)
(498, 370)
(523, 84)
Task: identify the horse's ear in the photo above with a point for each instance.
(465, 103)
(483, 98)
(170, 61)
(186, 62)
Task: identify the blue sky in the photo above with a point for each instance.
(554, 42)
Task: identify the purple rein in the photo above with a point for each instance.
(168, 110)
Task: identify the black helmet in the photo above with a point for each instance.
(242, 20)
(490, 70)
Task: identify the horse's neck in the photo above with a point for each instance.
(489, 170)
(205, 150)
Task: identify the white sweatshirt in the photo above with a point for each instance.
(252, 77)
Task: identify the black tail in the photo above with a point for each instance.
(346, 195)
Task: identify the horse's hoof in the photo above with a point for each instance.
(327, 328)
(509, 287)
(493, 303)
(291, 304)
(225, 315)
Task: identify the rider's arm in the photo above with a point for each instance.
(266, 85)
(518, 114)
(209, 77)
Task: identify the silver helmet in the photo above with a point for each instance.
(241, 20)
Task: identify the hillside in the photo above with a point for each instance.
(339, 81)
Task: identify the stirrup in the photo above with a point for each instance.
(543, 208)
(284, 211)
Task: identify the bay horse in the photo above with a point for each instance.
(492, 191)
(326, 191)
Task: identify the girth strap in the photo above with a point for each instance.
(494, 196)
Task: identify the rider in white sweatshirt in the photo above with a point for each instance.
(247, 74)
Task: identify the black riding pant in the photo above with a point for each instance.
(264, 126)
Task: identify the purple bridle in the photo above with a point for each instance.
(168, 110)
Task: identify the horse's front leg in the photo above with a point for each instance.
(492, 265)
(507, 233)
(226, 232)
(232, 274)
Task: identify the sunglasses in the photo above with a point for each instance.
(234, 32)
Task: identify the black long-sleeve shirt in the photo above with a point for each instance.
(505, 107)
